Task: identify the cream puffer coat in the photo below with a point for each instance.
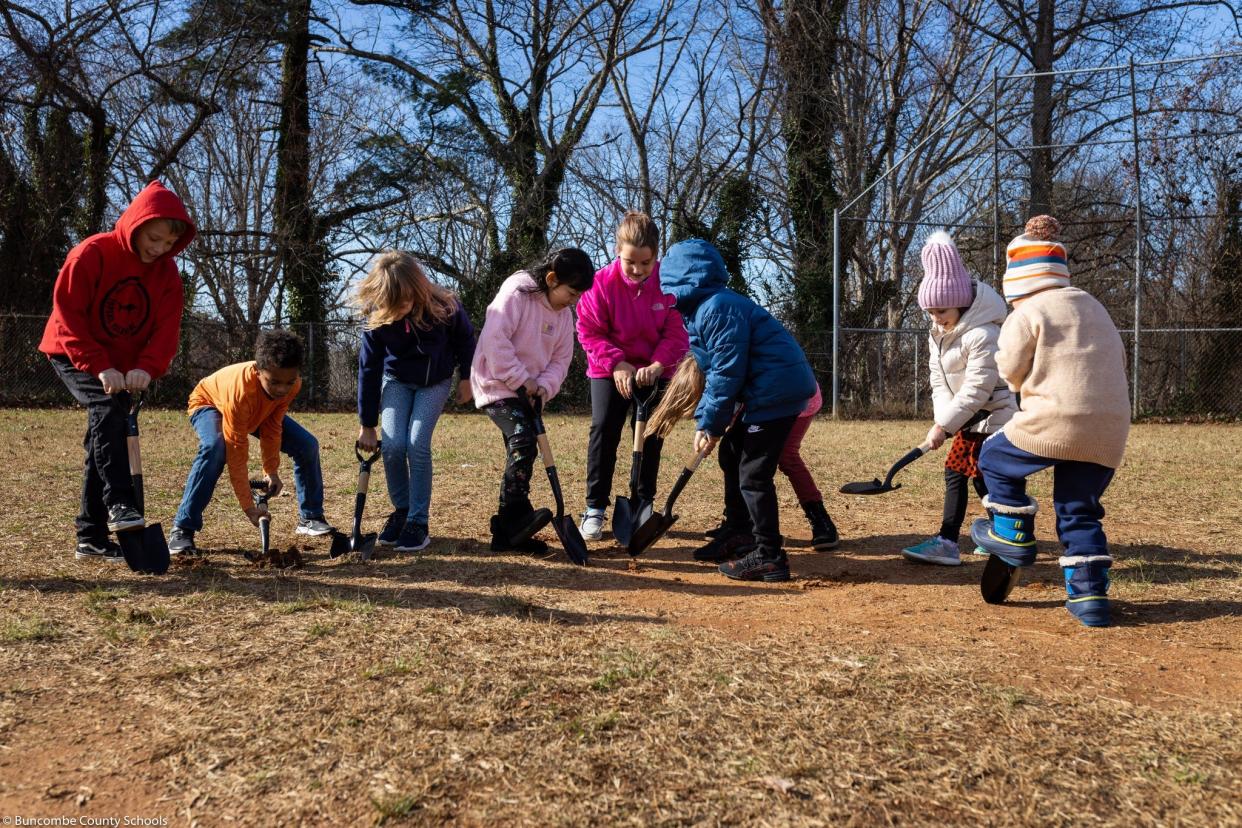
(964, 378)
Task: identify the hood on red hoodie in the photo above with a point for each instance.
(154, 202)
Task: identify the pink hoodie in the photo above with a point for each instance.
(523, 338)
(624, 321)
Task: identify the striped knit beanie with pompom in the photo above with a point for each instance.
(1036, 260)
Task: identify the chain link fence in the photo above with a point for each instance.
(27, 379)
(1187, 372)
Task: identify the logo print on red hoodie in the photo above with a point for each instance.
(125, 308)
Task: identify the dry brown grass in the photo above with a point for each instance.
(463, 686)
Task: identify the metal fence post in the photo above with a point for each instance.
(916, 376)
(995, 174)
(1138, 240)
(310, 362)
(836, 310)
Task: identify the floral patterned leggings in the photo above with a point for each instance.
(516, 422)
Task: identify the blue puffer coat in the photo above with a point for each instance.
(746, 355)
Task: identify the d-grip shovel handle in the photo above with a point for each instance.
(364, 466)
(642, 410)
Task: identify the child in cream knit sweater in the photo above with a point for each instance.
(1060, 350)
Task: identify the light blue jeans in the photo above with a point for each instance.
(295, 441)
(408, 415)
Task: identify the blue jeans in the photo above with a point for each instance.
(295, 441)
(408, 415)
(1076, 490)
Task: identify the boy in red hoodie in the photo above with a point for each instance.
(115, 326)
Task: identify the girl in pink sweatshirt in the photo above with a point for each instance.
(633, 340)
(526, 345)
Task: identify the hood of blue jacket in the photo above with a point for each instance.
(692, 271)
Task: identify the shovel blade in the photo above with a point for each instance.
(649, 532)
(623, 521)
(340, 544)
(571, 539)
(145, 550)
(872, 487)
(365, 546)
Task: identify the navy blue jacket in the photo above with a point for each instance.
(417, 358)
(746, 355)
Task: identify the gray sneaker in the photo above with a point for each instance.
(593, 524)
(181, 542)
(313, 526)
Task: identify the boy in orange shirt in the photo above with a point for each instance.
(229, 406)
(114, 327)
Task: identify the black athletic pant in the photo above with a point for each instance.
(516, 422)
(608, 414)
(105, 477)
(955, 497)
(749, 454)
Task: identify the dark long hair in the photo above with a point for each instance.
(572, 267)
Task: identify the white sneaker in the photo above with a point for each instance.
(593, 524)
(934, 550)
(313, 526)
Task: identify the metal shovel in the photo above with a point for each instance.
(145, 549)
(258, 488)
(654, 527)
(364, 545)
(629, 513)
(568, 532)
(874, 486)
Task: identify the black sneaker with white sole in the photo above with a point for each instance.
(181, 542)
(99, 550)
(123, 517)
(391, 532)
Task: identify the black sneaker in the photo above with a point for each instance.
(392, 529)
(757, 566)
(413, 538)
(502, 543)
(725, 548)
(99, 550)
(721, 530)
(123, 517)
(181, 542)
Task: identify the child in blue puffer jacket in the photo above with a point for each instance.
(747, 360)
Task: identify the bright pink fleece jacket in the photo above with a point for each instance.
(624, 321)
(523, 338)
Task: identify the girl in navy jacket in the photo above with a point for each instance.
(755, 380)
(416, 334)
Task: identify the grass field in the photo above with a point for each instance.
(458, 685)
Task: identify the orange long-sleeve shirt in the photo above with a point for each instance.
(244, 407)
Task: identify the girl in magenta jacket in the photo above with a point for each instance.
(633, 340)
(524, 352)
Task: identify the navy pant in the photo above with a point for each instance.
(609, 411)
(1076, 491)
(749, 454)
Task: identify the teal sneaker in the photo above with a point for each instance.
(934, 550)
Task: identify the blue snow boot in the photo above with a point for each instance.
(1009, 538)
(1086, 588)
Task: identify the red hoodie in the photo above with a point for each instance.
(109, 309)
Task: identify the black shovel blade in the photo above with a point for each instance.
(998, 580)
(651, 530)
(340, 544)
(364, 546)
(571, 539)
(145, 549)
(871, 487)
(624, 519)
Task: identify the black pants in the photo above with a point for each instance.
(749, 454)
(105, 477)
(608, 412)
(955, 497)
(516, 422)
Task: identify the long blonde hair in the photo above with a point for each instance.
(680, 398)
(395, 278)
